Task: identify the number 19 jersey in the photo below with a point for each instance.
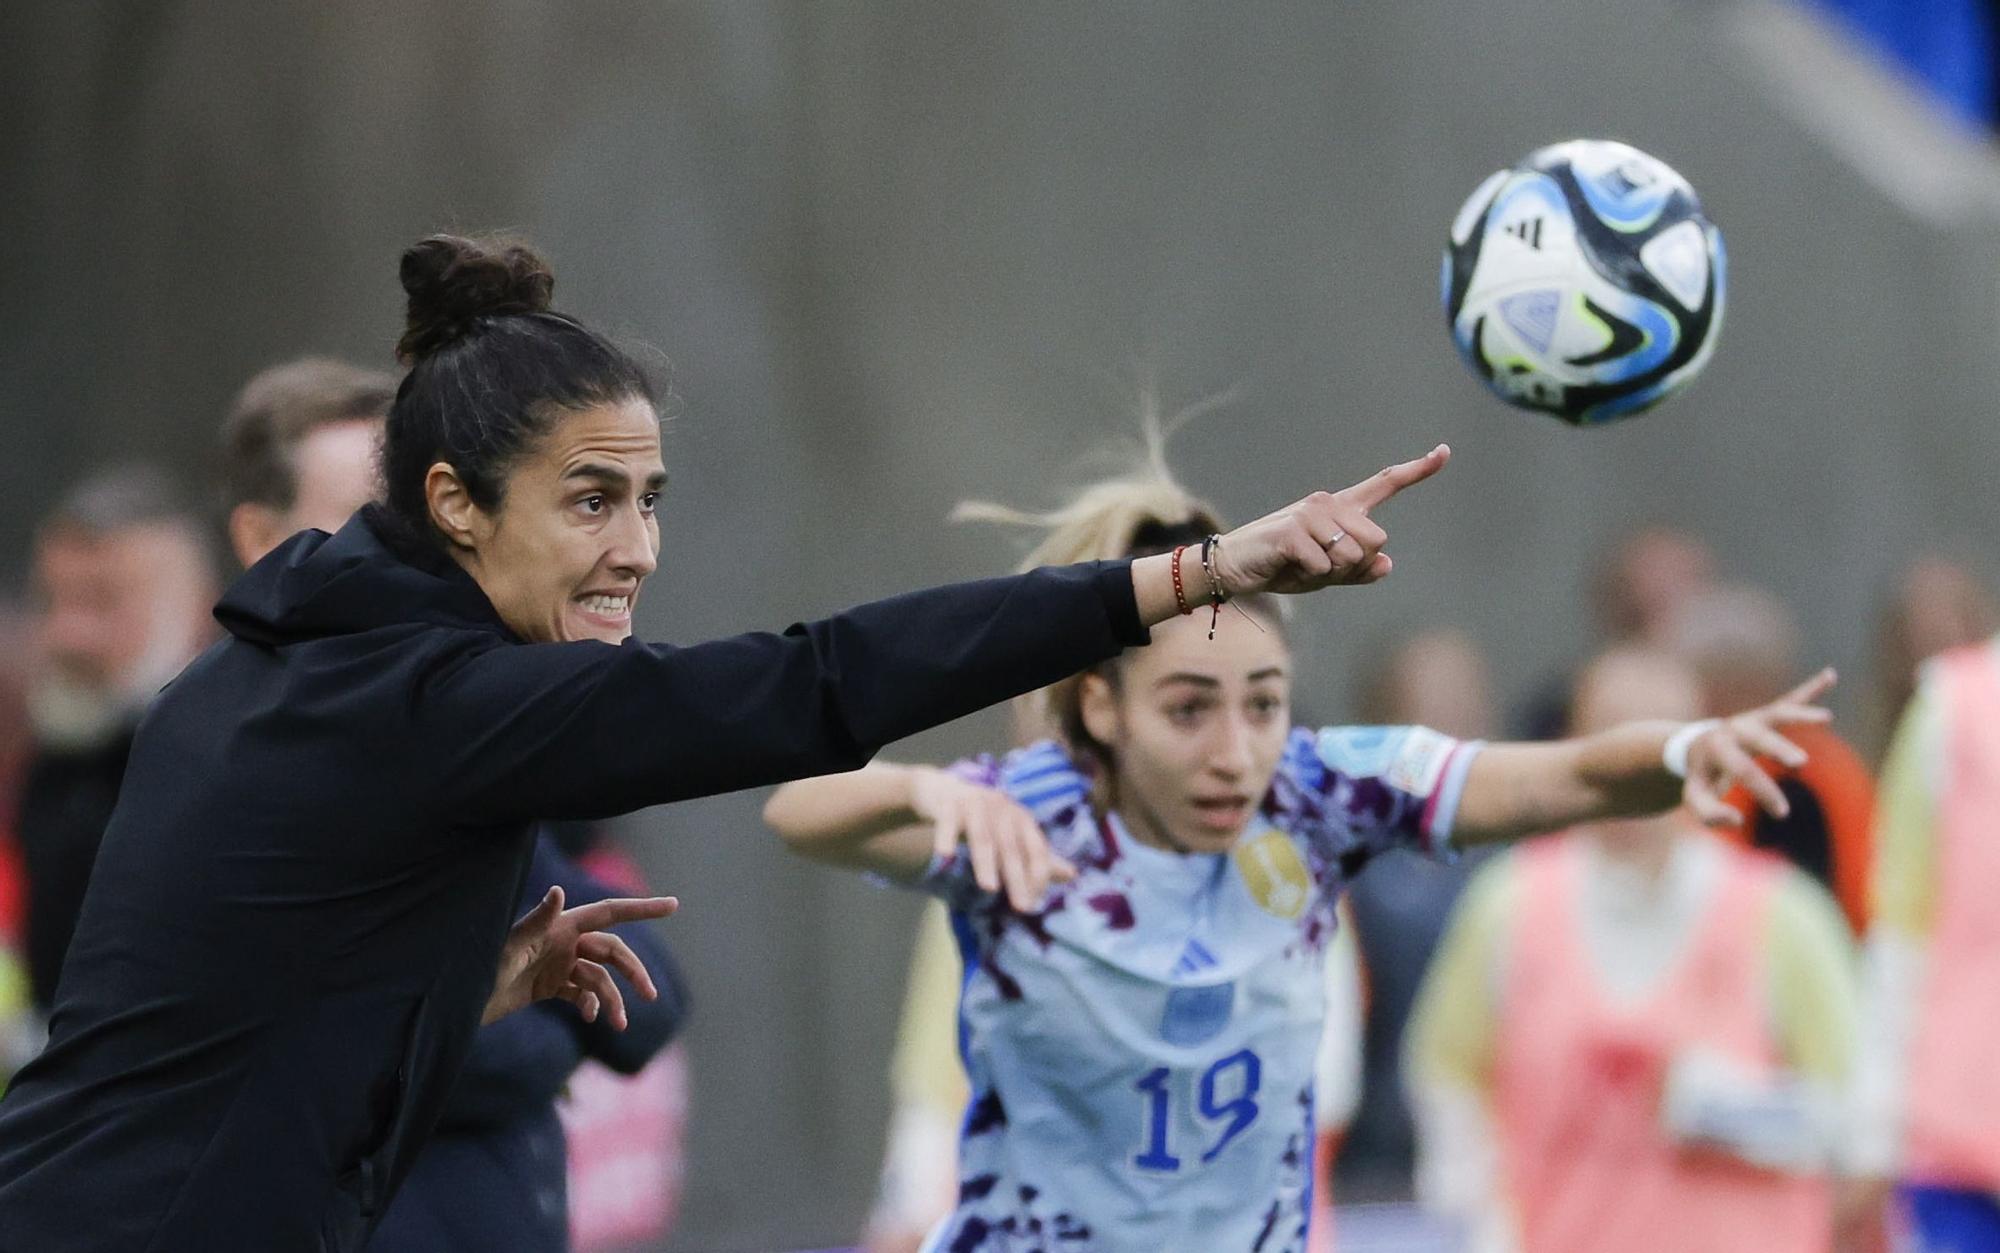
(1141, 1051)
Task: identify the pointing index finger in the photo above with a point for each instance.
(598, 915)
(1811, 690)
(1379, 487)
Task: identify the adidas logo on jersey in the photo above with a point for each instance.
(1195, 958)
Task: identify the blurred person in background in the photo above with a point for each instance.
(928, 1097)
(1638, 587)
(1148, 900)
(626, 1133)
(1939, 604)
(301, 449)
(123, 583)
(1337, 1074)
(1646, 579)
(17, 746)
(1928, 1102)
(1439, 679)
(1636, 1036)
(20, 1025)
(1742, 643)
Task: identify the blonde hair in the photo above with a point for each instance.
(1106, 519)
(1141, 512)
(1103, 522)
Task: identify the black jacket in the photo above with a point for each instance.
(494, 1174)
(299, 905)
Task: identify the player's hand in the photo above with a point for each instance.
(1005, 843)
(568, 953)
(1326, 539)
(1727, 755)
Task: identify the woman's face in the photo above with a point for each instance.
(1197, 727)
(574, 536)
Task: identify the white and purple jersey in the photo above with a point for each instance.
(1141, 1052)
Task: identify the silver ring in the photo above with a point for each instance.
(1337, 537)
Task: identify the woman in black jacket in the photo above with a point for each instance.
(297, 918)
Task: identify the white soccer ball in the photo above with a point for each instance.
(1585, 282)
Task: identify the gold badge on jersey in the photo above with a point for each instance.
(1275, 875)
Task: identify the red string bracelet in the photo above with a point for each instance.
(1180, 590)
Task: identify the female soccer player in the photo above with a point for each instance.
(920, 1169)
(298, 916)
(1144, 901)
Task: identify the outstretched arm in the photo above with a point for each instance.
(1513, 790)
(582, 730)
(898, 820)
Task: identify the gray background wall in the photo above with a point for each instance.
(899, 253)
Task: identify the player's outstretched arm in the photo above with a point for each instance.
(1514, 790)
(896, 820)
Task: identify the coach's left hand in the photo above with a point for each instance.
(569, 953)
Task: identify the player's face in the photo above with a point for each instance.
(1197, 727)
(564, 555)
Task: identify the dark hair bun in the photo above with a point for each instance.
(453, 282)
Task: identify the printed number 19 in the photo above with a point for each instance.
(1240, 1110)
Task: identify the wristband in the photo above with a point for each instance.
(1215, 593)
(1180, 590)
(1675, 755)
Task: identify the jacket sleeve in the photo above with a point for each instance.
(516, 1068)
(586, 730)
